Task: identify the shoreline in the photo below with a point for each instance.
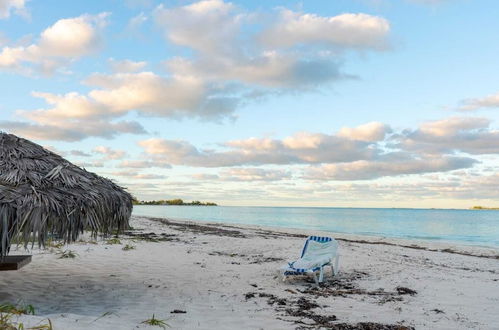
(418, 244)
(421, 235)
(225, 277)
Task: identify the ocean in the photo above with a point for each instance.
(469, 227)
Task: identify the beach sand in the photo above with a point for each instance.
(226, 277)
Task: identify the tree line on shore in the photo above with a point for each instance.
(176, 201)
(484, 208)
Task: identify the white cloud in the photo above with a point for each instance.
(143, 164)
(90, 164)
(65, 40)
(208, 26)
(136, 22)
(72, 131)
(125, 66)
(359, 153)
(490, 101)
(225, 53)
(457, 134)
(8, 6)
(109, 153)
(254, 151)
(147, 92)
(371, 132)
(366, 170)
(254, 174)
(229, 66)
(348, 30)
(140, 176)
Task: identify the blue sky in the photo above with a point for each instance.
(364, 103)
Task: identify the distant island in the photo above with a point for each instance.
(177, 201)
(484, 208)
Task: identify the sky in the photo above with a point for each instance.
(345, 103)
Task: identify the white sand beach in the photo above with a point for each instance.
(225, 277)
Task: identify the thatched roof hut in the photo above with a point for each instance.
(43, 195)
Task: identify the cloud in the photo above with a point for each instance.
(254, 174)
(219, 25)
(109, 153)
(143, 164)
(224, 53)
(205, 177)
(72, 131)
(490, 101)
(355, 31)
(90, 164)
(302, 148)
(370, 132)
(64, 41)
(125, 66)
(229, 64)
(8, 6)
(79, 153)
(366, 170)
(368, 151)
(139, 176)
(456, 134)
(156, 95)
(135, 23)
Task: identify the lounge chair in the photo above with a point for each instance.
(318, 253)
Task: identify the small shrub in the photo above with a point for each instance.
(17, 309)
(42, 326)
(128, 247)
(156, 322)
(67, 254)
(113, 241)
(5, 323)
(53, 244)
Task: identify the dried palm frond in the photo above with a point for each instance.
(44, 196)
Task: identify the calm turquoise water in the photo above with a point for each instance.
(460, 226)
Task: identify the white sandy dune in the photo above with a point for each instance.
(225, 277)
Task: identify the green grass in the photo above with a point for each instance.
(156, 322)
(7, 324)
(67, 254)
(53, 244)
(47, 326)
(113, 241)
(128, 247)
(17, 309)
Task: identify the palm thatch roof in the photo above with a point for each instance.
(44, 196)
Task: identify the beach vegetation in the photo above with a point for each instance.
(17, 309)
(156, 322)
(484, 208)
(54, 244)
(67, 254)
(47, 326)
(5, 322)
(128, 247)
(113, 241)
(104, 315)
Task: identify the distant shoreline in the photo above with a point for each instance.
(173, 202)
(337, 207)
